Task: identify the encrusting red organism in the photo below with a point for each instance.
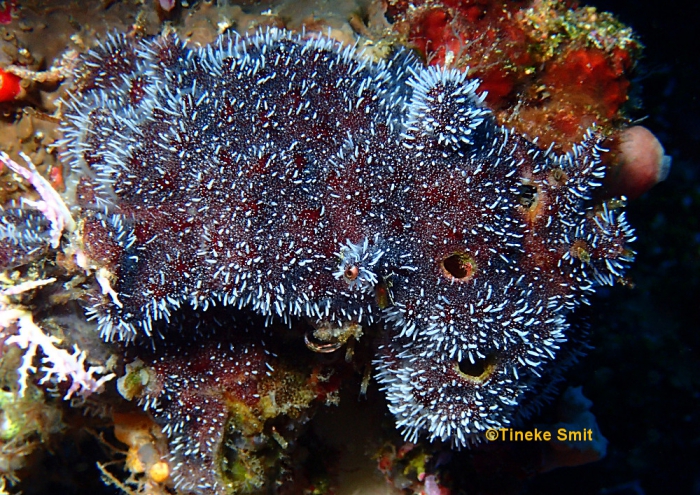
(9, 86)
(549, 70)
(636, 162)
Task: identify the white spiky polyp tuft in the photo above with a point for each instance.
(357, 262)
(445, 106)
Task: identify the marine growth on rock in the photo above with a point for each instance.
(289, 175)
